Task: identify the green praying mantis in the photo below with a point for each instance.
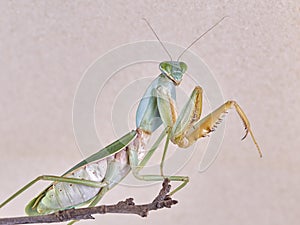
(86, 182)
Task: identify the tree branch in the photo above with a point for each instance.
(123, 207)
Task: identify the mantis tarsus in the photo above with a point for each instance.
(89, 180)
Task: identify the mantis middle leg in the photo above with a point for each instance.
(55, 179)
(137, 167)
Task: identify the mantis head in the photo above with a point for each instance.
(174, 70)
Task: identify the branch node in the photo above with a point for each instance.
(144, 212)
(129, 201)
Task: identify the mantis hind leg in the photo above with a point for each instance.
(54, 179)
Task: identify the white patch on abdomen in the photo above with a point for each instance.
(64, 195)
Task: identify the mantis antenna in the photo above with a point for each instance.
(158, 38)
(198, 38)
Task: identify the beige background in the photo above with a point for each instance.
(46, 46)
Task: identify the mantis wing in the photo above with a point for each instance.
(109, 150)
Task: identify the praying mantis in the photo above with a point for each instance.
(90, 179)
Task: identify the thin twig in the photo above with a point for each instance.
(123, 207)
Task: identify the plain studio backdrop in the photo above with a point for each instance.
(45, 47)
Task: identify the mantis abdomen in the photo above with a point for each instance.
(62, 195)
(108, 172)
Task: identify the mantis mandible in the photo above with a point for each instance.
(90, 179)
